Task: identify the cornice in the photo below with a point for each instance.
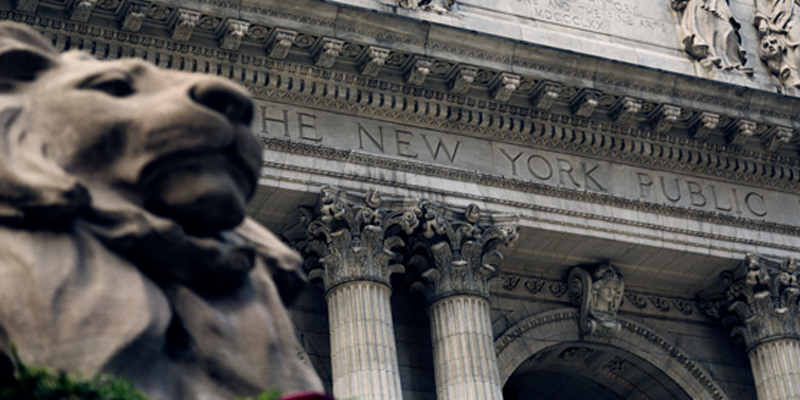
(690, 95)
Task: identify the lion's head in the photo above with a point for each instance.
(119, 134)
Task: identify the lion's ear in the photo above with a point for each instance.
(24, 53)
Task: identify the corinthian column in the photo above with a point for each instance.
(455, 257)
(353, 247)
(766, 304)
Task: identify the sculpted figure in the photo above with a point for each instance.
(599, 295)
(779, 31)
(709, 33)
(440, 6)
(124, 247)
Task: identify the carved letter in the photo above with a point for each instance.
(677, 189)
(716, 199)
(566, 166)
(442, 146)
(761, 209)
(644, 181)
(312, 127)
(363, 131)
(696, 194)
(513, 160)
(588, 177)
(547, 165)
(404, 144)
(265, 119)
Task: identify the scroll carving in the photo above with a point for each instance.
(599, 295)
(779, 35)
(709, 34)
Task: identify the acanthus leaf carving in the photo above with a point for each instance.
(765, 300)
(354, 238)
(463, 252)
(280, 41)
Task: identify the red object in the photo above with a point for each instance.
(306, 396)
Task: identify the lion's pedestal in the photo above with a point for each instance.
(123, 243)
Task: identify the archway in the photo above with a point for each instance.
(543, 357)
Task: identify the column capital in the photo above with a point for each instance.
(764, 300)
(455, 250)
(352, 237)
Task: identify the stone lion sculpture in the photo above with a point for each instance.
(124, 246)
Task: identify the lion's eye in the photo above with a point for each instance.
(117, 85)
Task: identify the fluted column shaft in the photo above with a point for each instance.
(463, 351)
(363, 353)
(776, 369)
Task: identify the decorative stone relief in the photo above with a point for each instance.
(599, 295)
(505, 87)
(709, 34)
(740, 131)
(765, 300)
(544, 97)
(184, 25)
(373, 60)
(777, 137)
(418, 71)
(454, 253)
(327, 51)
(703, 125)
(27, 6)
(462, 79)
(584, 105)
(624, 111)
(81, 10)
(282, 40)
(779, 33)
(664, 117)
(353, 239)
(132, 18)
(232, 35)
(439, 6)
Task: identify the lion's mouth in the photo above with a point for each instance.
(204, 191)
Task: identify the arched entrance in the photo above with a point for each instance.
(543, 357)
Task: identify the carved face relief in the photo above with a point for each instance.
(177, 144)
(771, 48)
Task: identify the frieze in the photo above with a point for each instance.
(317, 151)
(640, 149)
(633, 302)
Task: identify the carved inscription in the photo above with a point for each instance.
(572, 172)
(607, 16)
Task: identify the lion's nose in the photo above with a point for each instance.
(224, 98)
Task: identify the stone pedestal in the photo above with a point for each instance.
(776, 369)
(463, 351)
(363, 353)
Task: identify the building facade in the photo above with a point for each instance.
(512, 199)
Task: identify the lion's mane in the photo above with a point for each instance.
(91, 280)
